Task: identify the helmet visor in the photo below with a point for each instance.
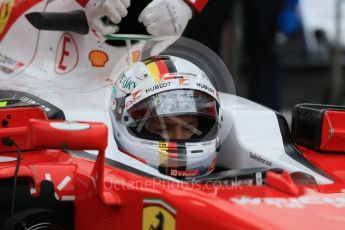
(174, 115)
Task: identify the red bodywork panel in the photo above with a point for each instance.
(118, 196)
(14, 123)
(330, 162)
(67, 135)
(226, 207)
(333, 131)
(14, 9)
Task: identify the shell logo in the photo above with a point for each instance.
(5, 13)
(98, 58)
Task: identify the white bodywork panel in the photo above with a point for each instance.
(255, 139)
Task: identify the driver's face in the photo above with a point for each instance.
(175, 127)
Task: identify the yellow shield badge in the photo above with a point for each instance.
(5, 12)
(158, 215)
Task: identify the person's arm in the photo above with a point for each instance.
(169, 17)
(161, 17)
(114, 10)
(197, 5)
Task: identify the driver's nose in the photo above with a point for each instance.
(177, 132)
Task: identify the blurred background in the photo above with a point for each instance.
(280, 52)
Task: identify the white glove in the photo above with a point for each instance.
(166, 17)
(115, 10)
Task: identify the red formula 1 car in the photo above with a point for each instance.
(58, 174)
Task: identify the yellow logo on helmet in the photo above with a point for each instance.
(5, 13)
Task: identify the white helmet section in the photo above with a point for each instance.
(150, 77)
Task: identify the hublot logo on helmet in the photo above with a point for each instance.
(156, 87)
(205, 87)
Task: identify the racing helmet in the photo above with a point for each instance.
(166, 113)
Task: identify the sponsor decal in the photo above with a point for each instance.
(184, 173)
(5, 13)
(260, 159)
(212, 166)
(9, 65)
(181, 79)
(159, 215)
(33, 102)
(187, 74)
(293, 202)
(98, 58)
(5, 70)
(67, 54)
(177, 75)
(156, 87)
(173, 160)
(136, 95)
(126, 83)
(202, 86)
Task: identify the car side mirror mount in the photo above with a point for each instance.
(71, 135)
